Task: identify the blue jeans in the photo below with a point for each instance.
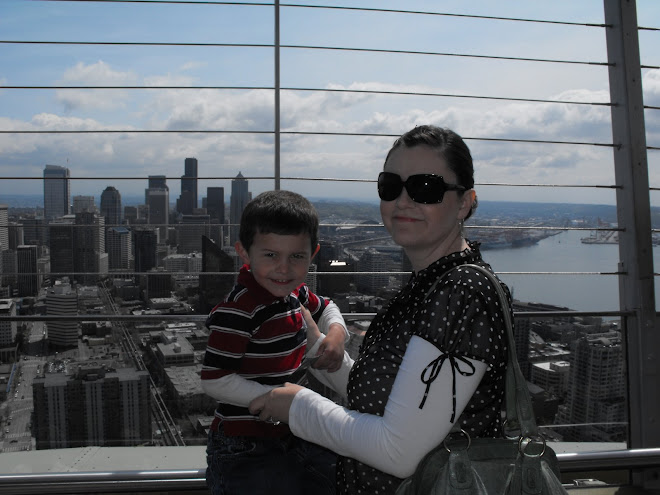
(256, 466)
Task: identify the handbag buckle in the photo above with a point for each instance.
(464, 433)
(525, 442)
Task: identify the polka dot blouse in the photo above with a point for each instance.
(459, 312)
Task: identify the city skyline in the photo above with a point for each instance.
(245, 118)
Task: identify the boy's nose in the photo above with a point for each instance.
(282, 266)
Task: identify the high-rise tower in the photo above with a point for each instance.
(240, 196)
(111, 207)
(215, 207)
(4, 227)
(57, 191)
(188, 199)
(157, 200)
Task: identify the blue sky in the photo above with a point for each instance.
(309, 156)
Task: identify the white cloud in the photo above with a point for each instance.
(97, 74)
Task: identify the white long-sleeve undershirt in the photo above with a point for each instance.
(236, 390)
(397, 441)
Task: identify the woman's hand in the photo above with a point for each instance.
(274, 406)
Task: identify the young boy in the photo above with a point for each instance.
(258, 342)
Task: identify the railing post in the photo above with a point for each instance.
(276, 63)
(636, 284)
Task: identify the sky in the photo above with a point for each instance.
(124, 159)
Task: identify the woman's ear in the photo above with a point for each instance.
(242, 252)
(467, 201)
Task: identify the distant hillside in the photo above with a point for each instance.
(367, 211)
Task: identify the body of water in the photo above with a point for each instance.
(564, 253)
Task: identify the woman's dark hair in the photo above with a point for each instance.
(279, 212)
(449, 146)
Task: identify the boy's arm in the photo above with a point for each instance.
(331, 317)
(234, 389)
(331, 350)
(230, 331)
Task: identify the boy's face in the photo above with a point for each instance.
(279, 263)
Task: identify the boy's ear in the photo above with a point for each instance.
(318, 248)
(242, 252)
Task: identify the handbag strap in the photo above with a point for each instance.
(518, 402)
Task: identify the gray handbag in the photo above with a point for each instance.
(492, 466)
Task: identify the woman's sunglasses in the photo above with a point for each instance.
(427, 189)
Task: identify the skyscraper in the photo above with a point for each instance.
(145, 249)
(240, 196)
(57, 191)
(119, 247)
(83, 204)
(157, 182)
(34, 231)
(111, 207)
(215, 207)
(61, 300)
(60, 234)
(213, 287)
(157, 200)
(90, 259)
(28, 277)
(190, 232)
(188, 200)
(4, 227)
(8, 329)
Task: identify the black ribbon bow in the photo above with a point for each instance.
(432, 370)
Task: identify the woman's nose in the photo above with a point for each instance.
(404, 201)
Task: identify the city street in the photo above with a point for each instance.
(17, 409)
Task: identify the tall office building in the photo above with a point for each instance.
(34, 231)
(596, 398)
(57, 191)
(120, 248)
(190, 232)
(188, 200)
(16, 235)
(111, 207)
(90, 260)
(373, 260)
(61, 242)
(240, 196)
(29, 280)
(214, 286)
(157, 182)
(215, 207)
(8, 329)
(62, 300)
(157, 201)
(145, 249)
(4, 227)
(96, 406)
(83, 204)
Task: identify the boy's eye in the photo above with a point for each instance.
(298, 256)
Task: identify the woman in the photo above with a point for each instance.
(435, 356)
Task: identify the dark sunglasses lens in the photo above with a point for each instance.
(426, 189)
(389, 186)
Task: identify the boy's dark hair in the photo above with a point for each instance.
(279, 212)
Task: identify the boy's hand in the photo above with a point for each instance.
(331, 350)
